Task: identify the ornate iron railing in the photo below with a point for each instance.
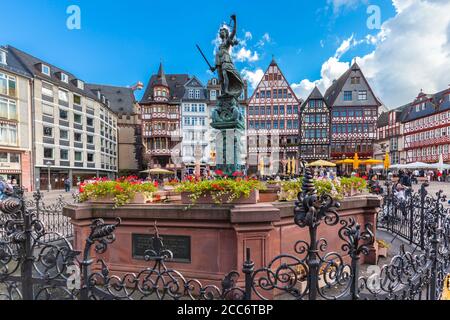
(408, 216)
(32, 269)
(51, 216)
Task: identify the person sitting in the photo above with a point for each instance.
(5, 189)
(399, 192)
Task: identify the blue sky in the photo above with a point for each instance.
(122, 42)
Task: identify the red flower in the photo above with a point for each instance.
(237, 174)
(219, 172)
(217, 187)
(119, 188)
(155, 183)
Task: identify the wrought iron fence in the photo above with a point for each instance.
(31, 268)
(407, 215)
(51, 216)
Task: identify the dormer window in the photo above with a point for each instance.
(214, 81)
(2, 57)
(45, 69)
(80, 84)
(64, 78)
(191, 94)
(197, 94)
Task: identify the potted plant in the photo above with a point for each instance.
(120, 192)
(353, 186)
(220, 190)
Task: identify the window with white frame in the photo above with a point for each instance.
(197, 94)
(8, 134)
(47, 89)
(64, 135)
(45, 69)
(64, 154)
(78, 156)
(2, 57)
(64, 78)
(7, 85)
(48, 153)
(80, 84)
(191, 93)
(63, 95)
(362, 95)
(8, 109)
(213, 95)
(48, 132)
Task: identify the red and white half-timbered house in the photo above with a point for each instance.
(272, 123)
(427, 128)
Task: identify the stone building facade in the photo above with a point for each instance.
(129, 125)
(15, 121)
(74, 131)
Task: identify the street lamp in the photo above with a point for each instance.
(49, 187)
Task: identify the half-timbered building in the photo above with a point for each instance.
(427, 127)
(315, 132)
(354, 115)
(272, 123)
(390, 137)
(160, 107)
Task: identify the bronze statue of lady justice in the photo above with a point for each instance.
(231, 82)
(226, 116)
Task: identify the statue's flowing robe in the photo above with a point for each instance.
(225, 64)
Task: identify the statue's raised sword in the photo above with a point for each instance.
(204, 57)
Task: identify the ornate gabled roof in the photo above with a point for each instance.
(432, 104)
(175, 83)
(335, 89)
(263, 84)
(161, 77)
(315, 94)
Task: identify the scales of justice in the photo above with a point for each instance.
(226, 116)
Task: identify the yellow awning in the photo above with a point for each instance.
(372, 161)
(321, 163)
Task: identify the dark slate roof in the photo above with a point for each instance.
(175, 83)
(31, 63)
(383, 120)
(121, 99)
(161, 77)
(13, 65)
(315, 94)
(333, 91)
(435, 103)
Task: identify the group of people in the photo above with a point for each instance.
(7, 187)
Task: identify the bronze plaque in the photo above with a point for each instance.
(180, 246)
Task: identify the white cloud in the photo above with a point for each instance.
(344, 47)
(339, 5)
(412, 52)
(253, 77)
(331, 69)
(240, 53)
(264, 39)
(246, 55)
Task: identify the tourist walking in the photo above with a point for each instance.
(67, 184)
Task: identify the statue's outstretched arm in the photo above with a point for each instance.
(233, 33)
